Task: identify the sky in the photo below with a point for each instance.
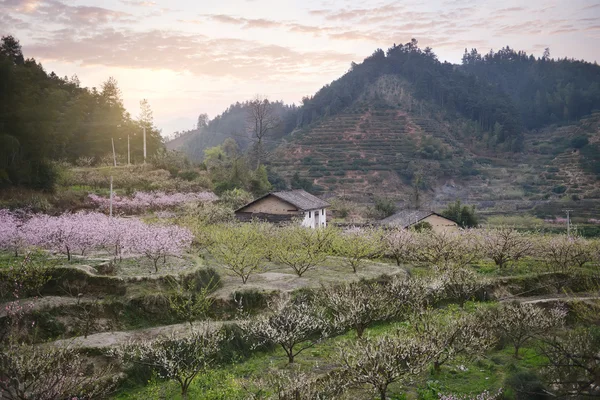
(193, 57)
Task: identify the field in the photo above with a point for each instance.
(103, 304)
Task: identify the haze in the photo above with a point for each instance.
(190, 57)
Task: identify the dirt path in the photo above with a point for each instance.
(112, 339)
(553, 298)
(39, 303)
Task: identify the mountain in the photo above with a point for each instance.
(506, 131)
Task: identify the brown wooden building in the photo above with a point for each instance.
(285, 206)
(408, 218)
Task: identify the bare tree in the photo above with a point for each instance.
(88, 308)
(261, 121)
(189, 303)
(520, 322)
(293, 325)
(506, 246)
(383, 360)
(178, 359)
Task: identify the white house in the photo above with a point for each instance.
(285, 206)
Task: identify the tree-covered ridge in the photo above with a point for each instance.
(504, 92)
(544, 90)
(234, 123)
(431, 80)
(44, 117)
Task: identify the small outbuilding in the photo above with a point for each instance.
(407, 218)
(285, 206)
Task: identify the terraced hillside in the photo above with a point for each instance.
(369, 148)
(382, 143)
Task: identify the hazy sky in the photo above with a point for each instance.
(189, 57)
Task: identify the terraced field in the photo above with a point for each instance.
(377, 150)
(362, 149)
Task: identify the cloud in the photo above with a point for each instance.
(591, 7)
(194, 53)
(57, 12)
(138, 3)
(511, 9)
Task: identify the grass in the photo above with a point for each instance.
(282, 278)
(462, 376)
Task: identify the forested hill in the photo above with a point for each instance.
(504, 92)
(233, 123)
(45, 118)
(544, 90)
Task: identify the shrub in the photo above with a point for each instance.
(559, 189)
(579, 141)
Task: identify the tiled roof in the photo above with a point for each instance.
(301, 199)
(405, 218)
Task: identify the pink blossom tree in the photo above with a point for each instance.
(11, 238)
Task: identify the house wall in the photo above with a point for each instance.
(310, 219)
(271, 205)
(439, 224)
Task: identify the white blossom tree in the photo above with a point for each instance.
(383, 360)
(573, 367)
(459, 284)
(173, 358)
(448, 248)
(356, 305)
(506, 246)
(34, 372)
(563, 255)
(292, 383)
(520, 322)
(464, 334)
(401, 245)
(411, 294)
(293, 325)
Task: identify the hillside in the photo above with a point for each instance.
(505, 130)
(388, 141)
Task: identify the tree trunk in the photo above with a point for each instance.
(360, 329)
(517, 347)
(68, 254)
(290, 354)
(383, 392)
(437, 366)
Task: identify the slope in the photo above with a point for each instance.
(388, 141)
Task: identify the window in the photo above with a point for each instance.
(309, 215)
(323, 212)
